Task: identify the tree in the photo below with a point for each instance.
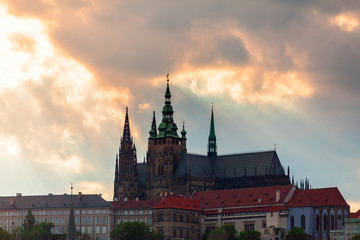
(134, 231)
(357, 237)
(42, 231)
(225, 232)
(250, 235)
(205, 235)
(296, 234)
(29, 222)
(4, 235)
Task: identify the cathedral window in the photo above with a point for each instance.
(303, 221)
(325, 218)
(317, 220)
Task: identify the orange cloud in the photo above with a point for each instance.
(346, 21)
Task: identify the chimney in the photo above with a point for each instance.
(18, 194)
(277, 195)
(80, 195)
(12, 202)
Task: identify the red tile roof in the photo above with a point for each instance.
(243, 197)
(355, 215)
(179, 202)
(317, 197)
(135, 204)
(248, 210)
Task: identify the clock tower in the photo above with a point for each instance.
(165, 149)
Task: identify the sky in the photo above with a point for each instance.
(281, 74)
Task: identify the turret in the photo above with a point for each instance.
(153, 130)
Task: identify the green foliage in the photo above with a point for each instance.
(296, 234)
(4, 235)
(134, 231)
(205, 235)
(225, 232)
(29, 222)
(357, 237)
(250, 235)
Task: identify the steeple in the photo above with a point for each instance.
(71, 233)
(167, 127)
(126, 182)
(153, 130)
(126, 133)
(212, 138)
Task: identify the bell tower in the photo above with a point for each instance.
(165, 149)
(126, 183)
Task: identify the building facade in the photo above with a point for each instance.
(318, 211)
(93, 214)
(170, 169)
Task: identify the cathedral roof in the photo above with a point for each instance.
(194, 165)
(229, 166)
(247, 164)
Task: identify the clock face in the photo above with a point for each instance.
(161, 161)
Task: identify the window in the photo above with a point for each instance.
(104, 220)
(83, 221)
(104, 230)
(98, 220)
(325, 222)
(181, 218)
(249, 227)
(332, 222)
(181, 232)
(317, 222)
(160, 217)
(97, 230)
(174, 217)
(89, 220)
(302, 221)
(161, 231)
(187, 218)
(292, 222)
(174, 232)
(77, 220)
(187, 234)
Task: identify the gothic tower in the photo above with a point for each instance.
(126, 183)
(165, 149)
(212, 138)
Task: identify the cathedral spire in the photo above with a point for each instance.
(153, 131)
(212, 138)
(167, 127)
(126, 133)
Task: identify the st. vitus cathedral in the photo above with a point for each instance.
(170, 169)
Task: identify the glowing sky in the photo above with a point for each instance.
(278, 72)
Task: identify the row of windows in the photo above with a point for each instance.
(90, 220)
(140, 212)
(145, 220)
(52, 212)
(162, 141)
(180, 231)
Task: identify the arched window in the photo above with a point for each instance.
(325, 222)
(292, 222)
(317, 220)
(303, 221)
(332, 222)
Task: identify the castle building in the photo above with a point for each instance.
(170, 169)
